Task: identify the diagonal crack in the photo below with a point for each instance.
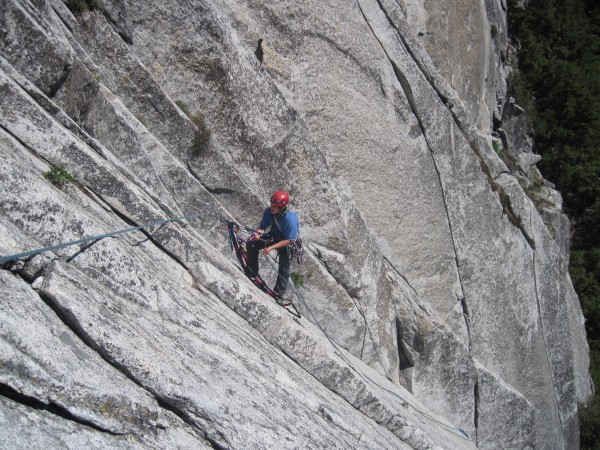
(456, 112)
(71, 322)
(148, 234)
(53, 408)
(409, 95)
(123, 34)
(400, 275)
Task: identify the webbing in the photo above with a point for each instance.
(4, 259)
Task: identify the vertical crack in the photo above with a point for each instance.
(466, 316)
(476, 401)
(410, 98)
(353, 295)
(364, 337)
(259, 53)
(452, 108)
(405, 359)
(543, 333)
(411, 101)
(53, 90)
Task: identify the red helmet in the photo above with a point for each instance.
(280, 198)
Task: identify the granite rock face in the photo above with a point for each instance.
(437, 310)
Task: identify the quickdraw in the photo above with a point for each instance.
(297, 250)
(238, 244)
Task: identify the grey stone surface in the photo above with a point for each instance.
(495, 401)
(437, 311)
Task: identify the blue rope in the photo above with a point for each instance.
(4, 259)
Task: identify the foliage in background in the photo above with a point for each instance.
(558, 84)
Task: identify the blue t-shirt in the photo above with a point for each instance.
(289, 225)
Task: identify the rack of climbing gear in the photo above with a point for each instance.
(297, 250)
(239, 238)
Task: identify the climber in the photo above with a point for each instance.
(278, 229)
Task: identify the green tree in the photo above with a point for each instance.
(558, 83)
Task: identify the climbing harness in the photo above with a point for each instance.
(238, 244)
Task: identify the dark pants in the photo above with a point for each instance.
(283, 254)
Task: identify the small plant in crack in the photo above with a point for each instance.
(79, 6)
(182, 106)
(202, 135)
(494, 31)
(59, 176)
(505, 156)
(298, 279)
